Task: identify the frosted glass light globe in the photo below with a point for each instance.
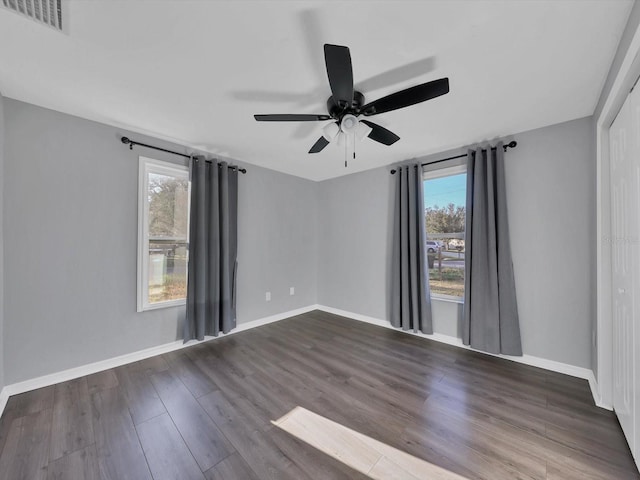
(349, 123)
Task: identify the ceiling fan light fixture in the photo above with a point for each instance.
(363, 130)
(349, 123)
(330, 131)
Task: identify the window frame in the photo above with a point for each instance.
(441, 171)
(147, 166)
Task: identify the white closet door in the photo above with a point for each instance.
(634, 246)
(623, 225)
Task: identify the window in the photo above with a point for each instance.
(163, 234)
(444, 205)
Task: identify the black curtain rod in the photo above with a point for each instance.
(132, 143)
(511, 144)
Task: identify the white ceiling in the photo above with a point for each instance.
(196, 71)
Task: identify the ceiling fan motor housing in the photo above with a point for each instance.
(337, 112)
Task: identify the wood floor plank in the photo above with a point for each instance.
(167, 455)
(611, 449)
(26, 452)
(233, 413)
(150, 365)
(316, 464)
(189, 373)
(8, 416)
(504, 446)
(118, 449)
(142, 398)
(205, 440)
(519, 415)
(72, 427)
(366, 455)
(335, 440)
(242, 426)
(32, 402)
(269, 397)
(447, 452)
(81, 464)
(231, 468)
(102, 381)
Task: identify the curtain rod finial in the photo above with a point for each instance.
(511, 144)
(126, 141)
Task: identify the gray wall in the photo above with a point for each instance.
(2, 348)
(70, 244)
(550, 178)
(550, 187)
(277, 244)
(354, 221)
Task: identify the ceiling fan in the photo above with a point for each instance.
(346, 105)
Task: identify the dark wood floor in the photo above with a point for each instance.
(205, 411)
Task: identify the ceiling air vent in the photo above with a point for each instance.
(48, 12)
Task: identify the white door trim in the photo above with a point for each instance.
(628, 73)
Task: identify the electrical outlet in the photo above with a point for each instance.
(292, 291)
(267, 296)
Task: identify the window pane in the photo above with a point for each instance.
(168, 200)
(168, 233)
(167, 271)
(444, 203)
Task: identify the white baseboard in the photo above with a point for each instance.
(96, 367)
(531, 360)
(4, 397)
(70, 374)
(595, 391)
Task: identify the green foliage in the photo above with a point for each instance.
(447, 274)
(448, 281)
(167, 206)
(449, 219)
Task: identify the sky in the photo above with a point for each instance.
(446, 190)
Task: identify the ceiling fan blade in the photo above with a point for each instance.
(381, 134)
(338, 61)
(291, 118)
(319, 145)
(407, 97)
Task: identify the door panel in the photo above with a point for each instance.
(624, 146)
(634, 261)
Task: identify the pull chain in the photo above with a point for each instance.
(346, 149)
(347, 141)
(354, 146)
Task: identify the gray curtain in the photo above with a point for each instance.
(490, 309)
(410, 296)
(213, 241)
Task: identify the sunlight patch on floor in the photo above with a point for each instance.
(364, 454)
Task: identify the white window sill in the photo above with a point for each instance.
(447, 298)
(156, 306)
